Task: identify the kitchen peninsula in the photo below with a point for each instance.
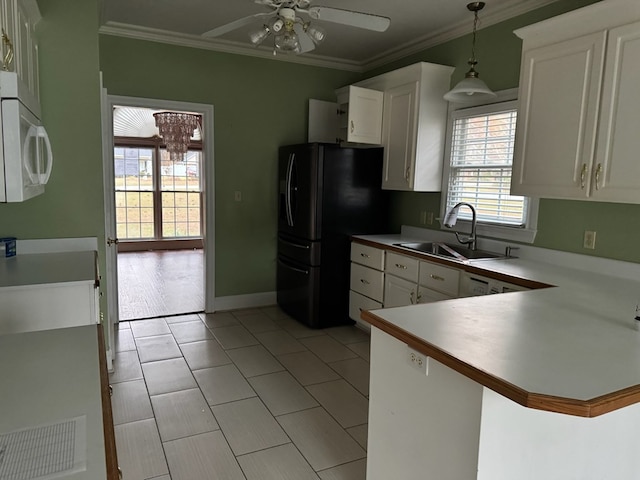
(504, 383)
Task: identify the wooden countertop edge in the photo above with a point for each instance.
(568, 406)
(467, 267)
(111, 455)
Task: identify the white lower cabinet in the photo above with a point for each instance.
(358, 303)
(439, 278)
(399, 292)
(385, 279)
(426, 295)
(366, 281)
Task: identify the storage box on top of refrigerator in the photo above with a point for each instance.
(326, 194)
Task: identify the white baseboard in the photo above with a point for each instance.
(251, 300)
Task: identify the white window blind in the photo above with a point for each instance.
(480, 167)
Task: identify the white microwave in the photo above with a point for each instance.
(26, 158)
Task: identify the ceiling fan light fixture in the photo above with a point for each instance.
(277, 25)
(288, 42)
(471, 87)
(259, 36)
(316, 33)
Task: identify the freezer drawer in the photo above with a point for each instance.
(299, 250)
(299, 291)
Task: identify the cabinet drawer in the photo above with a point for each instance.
(442, 279)
(367, 281)
(402, 266)
(358, 303)
(368, 256)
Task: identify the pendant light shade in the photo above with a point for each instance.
(471, 87)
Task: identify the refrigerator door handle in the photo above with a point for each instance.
(288, 195)
(293, 244)
(299, 270)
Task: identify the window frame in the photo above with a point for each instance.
(156, 145)
(505, 99)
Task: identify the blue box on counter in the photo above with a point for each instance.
(8, 247)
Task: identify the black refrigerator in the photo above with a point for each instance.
(326, 194)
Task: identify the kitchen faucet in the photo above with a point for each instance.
(451, 218)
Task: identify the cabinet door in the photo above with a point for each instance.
(22, 45)
(8, 24)
(426, 295)
(617, 169)
(364, 122)
(557, 117)
(399, 136)
(399, 292)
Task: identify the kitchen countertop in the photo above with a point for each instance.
(573, 348)
(51, 376)
(43, 268)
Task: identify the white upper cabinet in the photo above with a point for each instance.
(360, 115)
(18, 19)
(577, 134)
(399, 126)
(413, 126)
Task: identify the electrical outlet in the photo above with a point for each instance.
(423, 217)
(589, 239)
(418, 361)
(430, 218)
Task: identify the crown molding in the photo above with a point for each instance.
(224, 46)
(509, 10)
(451, 32)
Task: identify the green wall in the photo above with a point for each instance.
(72, 205)
(259, 104)
(561, 223)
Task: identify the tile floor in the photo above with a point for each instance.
(248, 395)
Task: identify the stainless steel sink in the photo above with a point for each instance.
(450, 251)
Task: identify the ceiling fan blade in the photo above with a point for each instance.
(306, 44)
(228, 27)
(348, 17)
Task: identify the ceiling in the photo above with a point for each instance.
(415, 25)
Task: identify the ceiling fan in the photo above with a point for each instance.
(292, 34)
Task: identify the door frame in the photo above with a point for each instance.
(208, 227)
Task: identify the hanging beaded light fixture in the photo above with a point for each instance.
(176, 130)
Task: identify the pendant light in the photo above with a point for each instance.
(471, 87)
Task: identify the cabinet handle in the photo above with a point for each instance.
(364, 281)
(353, 127)
(411, 297)
(407, 173)
(110, 390)
(437, 277)
(598, 172)
(7, 58)
(119, 473)
(583, 176)
(418, 298)
(399, 265)
(364, 255)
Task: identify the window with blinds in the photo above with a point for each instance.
(481, 157)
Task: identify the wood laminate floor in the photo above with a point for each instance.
(160, 283)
